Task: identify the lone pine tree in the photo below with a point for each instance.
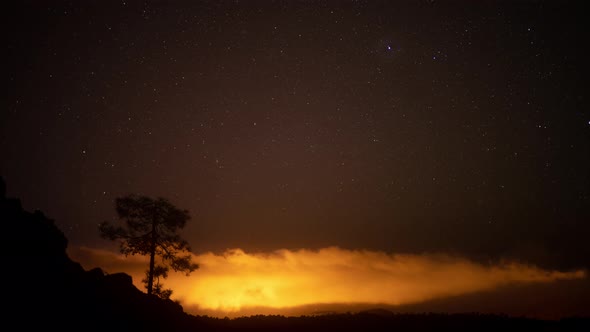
(150, 228)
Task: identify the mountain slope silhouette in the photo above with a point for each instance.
(47, 289)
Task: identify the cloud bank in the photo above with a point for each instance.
(235, 280)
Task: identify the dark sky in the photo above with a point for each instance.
(420, 126)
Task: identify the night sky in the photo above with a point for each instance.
(407, 127)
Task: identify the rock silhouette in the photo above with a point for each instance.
(47, 289)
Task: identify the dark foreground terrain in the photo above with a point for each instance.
(44, 289)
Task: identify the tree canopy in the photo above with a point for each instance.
(151, 228)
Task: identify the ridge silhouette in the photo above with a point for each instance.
(45, 289)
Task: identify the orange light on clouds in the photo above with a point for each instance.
(235, 280)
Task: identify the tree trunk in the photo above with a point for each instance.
(152, 258)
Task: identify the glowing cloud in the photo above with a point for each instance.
(236, 280)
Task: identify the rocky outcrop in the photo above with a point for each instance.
(45, 288)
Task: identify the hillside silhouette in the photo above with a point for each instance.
(45, 289)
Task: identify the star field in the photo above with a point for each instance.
(409, 127)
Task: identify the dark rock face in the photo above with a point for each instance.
(46, 289)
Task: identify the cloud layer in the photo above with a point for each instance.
(235, 281)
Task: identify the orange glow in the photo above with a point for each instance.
(235, 280)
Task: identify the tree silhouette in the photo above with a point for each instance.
(151, 227)
(158, 289)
